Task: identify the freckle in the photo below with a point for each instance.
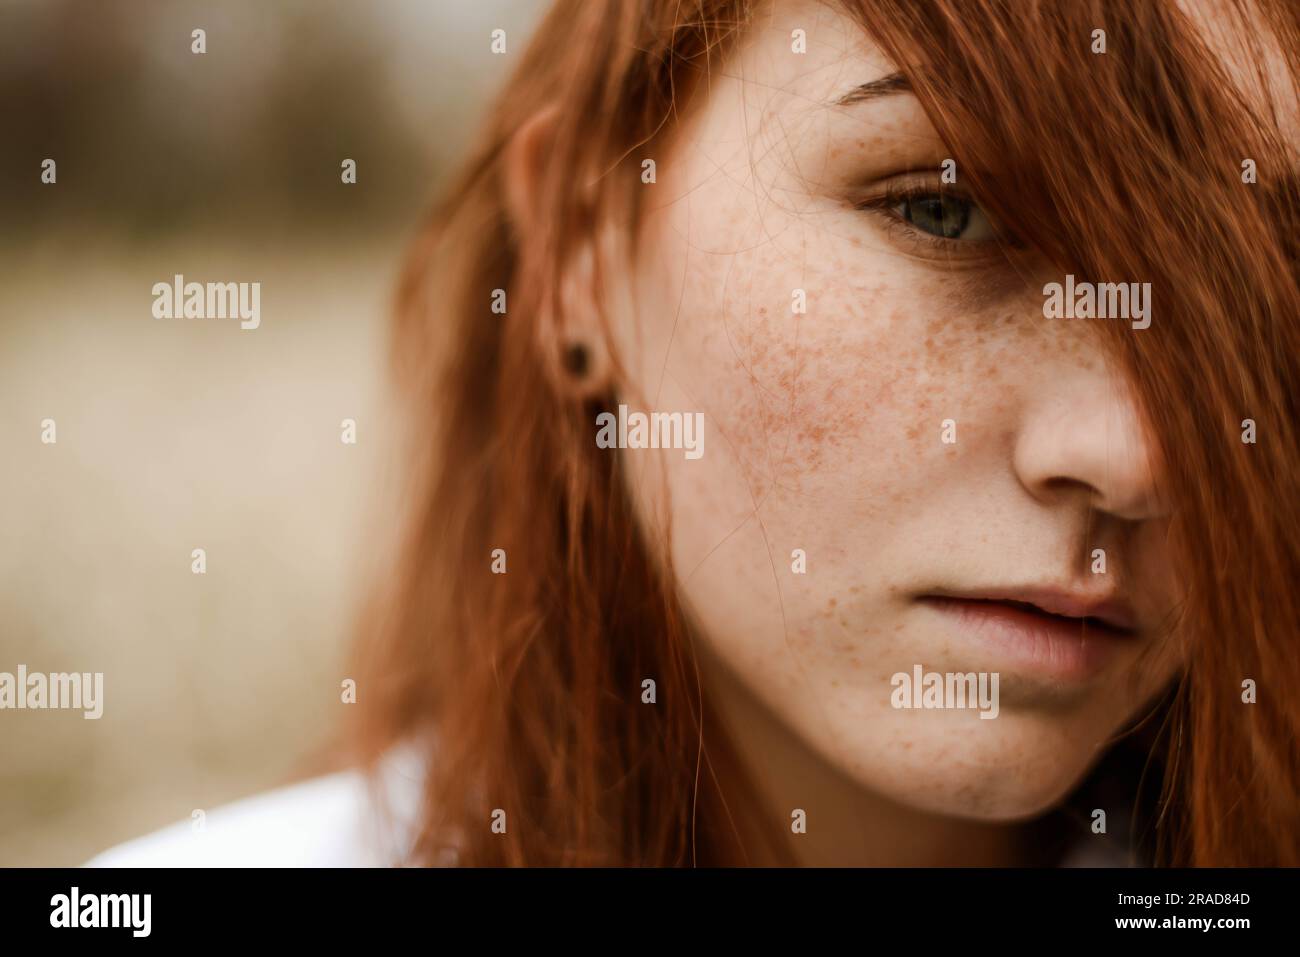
(833, 602)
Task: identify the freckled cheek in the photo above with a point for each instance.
(858, 373)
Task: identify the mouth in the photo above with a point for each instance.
(1061, 634)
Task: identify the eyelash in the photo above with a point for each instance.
(896, 193)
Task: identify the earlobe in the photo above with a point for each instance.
(576, 337)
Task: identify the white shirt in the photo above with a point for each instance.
(340, 820)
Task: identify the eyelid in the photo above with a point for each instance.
(924, 181)
(898, 189)
(911, 184)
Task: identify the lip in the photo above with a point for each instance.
(1056, 633)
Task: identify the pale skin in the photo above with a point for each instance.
(825, 434)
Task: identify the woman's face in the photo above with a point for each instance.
(891, 479)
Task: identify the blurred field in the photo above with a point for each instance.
(174, 435)
(183, 434)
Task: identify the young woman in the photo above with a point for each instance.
(965, 334)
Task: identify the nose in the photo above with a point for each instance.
(1086, 438)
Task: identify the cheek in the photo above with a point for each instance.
(823, 395)
(817, 365)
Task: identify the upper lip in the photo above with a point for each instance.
(1108, 609)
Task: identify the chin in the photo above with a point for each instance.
(1016, 768)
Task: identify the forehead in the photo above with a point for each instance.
(804, 52)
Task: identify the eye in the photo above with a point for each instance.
(930, 220)
(945, 216)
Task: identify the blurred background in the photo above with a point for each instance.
(181, 434)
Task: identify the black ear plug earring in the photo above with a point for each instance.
(576, 361)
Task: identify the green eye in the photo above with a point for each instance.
(948, 217)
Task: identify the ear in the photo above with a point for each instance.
(569, 330)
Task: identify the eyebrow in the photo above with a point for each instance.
(893, 83)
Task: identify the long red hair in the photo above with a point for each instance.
(1127, 164)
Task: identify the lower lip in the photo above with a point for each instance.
(1051, 647)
